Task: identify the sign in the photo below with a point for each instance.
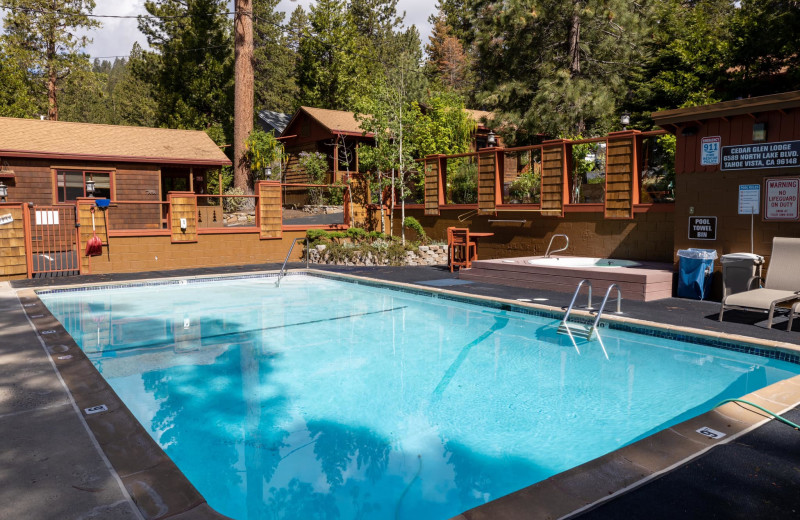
(702, 228)
(6, 219)
(749, 199)
(781, 198)
(709, 150)
(710, 433)
(46, 218)
(784, 154)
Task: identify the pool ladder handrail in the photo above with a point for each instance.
(282, 272)
(548, 253)
(603, 305)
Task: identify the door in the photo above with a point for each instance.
(52, 235)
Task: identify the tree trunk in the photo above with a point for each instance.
(52, 77)
(575, 40)
(243, 90)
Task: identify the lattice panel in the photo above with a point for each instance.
(487, 182)
(432, 179)
(270, 210)
(553, 181)
(183, 206)
(620, 179)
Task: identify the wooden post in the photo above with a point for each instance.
(191, 179)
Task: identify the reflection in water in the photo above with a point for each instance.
(312, 401)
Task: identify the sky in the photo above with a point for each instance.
(116, 37)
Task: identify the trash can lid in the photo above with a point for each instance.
(736, 257)
(700, 254)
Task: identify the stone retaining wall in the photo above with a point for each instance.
(426, 255)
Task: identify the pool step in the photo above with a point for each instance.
(578, 330)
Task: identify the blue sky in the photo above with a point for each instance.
(116, 36)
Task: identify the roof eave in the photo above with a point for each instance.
(115, 158)
(737, 107)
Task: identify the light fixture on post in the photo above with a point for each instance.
(625, 119)
(3, 192)
(268, 173)
(759, 132)
(90, 187)
(491, 139)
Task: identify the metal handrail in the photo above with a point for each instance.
(575, 297)
(603, 305)
(282, 272)
(547, 253)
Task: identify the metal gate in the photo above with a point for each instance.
(52, 237)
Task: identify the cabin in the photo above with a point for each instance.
(337, 134)
(50, 162)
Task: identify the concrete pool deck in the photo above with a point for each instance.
(50, 463)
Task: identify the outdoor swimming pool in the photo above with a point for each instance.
(335, 400)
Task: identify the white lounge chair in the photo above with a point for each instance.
(782, 283)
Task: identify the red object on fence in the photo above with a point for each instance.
(94, 246)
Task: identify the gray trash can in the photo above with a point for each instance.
(737, 270)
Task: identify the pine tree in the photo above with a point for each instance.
(42, 36)
(275, 59)
(190, 69)
(448, 63)
(332, 69)
(554, 67)
(16, 97)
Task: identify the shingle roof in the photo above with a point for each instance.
(274, 120)
(61, 139)
(479, 116)
(337, 121)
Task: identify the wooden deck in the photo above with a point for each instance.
(648, 281)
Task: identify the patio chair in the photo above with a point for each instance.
(782, 283)
(460, 249)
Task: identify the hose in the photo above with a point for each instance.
(781, 419)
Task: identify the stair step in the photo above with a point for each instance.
(578, 330)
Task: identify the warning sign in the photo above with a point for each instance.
(781, 198)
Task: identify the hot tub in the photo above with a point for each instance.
(578, 261)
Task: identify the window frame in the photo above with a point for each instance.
(58, 190)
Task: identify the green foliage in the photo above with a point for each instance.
(212, 182)
(442, 128)
(332, 69)
(462, 181)
(355, 243)
(262, 149)
(274, 59)
(46, 38)
(315, 165)
(16, 97)
(235, 204)
(190, 69)
(526, 187)
(414, 225)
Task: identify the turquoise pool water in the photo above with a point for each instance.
(324, 399)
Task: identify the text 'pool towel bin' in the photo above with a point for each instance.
(694, 272)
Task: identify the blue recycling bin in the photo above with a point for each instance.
(694, 272)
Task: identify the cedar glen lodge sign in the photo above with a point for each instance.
(768, 155)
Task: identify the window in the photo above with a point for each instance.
(657, 169)
(71, 184)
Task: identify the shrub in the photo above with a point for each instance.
(414, 225)
(238, 204)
